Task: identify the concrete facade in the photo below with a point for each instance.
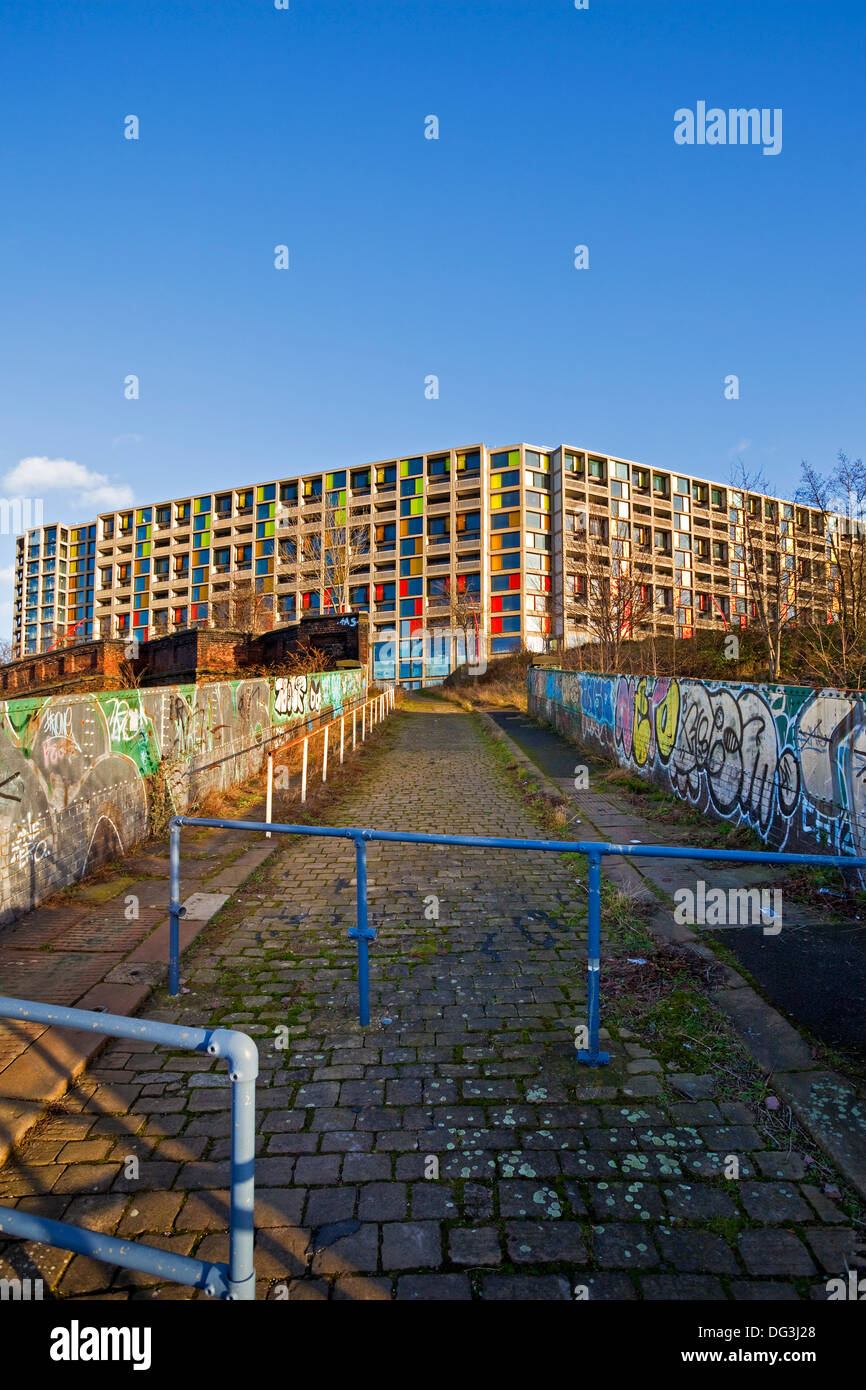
(504, 542)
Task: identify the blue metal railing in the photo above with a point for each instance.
(235, 1280)
(594, 850)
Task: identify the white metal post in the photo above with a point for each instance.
(325, 756)
(269, 798)
(364, 721)
(304, 772)
(342, 735)
(354, 717)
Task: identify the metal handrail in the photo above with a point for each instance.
(594, 851)
(233, 1281)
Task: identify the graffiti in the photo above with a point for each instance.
(125, 721)
(729, 742)
(73, 768)
(596, 699)
(787, 761)
(646, 718)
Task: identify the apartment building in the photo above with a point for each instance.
(509, 541)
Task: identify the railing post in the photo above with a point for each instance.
(364, 721)
(174, 909)
(591, 1055)
(243, 1070)
(354, 717)
(362, 933)
(304, 771)
(342, 735)
(325, 756)
(269, 796)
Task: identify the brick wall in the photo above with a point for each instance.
(85, 666)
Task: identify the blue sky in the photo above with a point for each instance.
(411, 257)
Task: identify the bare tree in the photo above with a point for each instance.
(245, 608)
(619, 605)
(766, 554)
(330, 547)
(464, 616)
(835, 644)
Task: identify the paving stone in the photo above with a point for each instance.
(773, 1201)
(531, 1242)
(834, 1250)
(478, 1247)
(330, 1204)
(763, 1291)
(411, 1245)
(767, 1251)
(696, 1251)
(773, 1164)
(526, 1288)
(382, 1202)
(354, 1288)
(631, 1201)
(429, 1288)
(692, 1288)
(624, 1245)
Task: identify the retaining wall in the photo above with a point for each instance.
(789, 761)
(73, 768)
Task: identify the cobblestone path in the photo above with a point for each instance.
(454, 1149)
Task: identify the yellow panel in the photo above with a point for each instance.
(495, 503)
(416, 566)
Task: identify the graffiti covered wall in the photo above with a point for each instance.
(786, 760)
(73, 768)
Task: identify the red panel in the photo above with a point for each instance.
(495, 624)
(404, 588)
(514, 581)
(496, 605)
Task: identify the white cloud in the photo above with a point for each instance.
(94, 492)
(741, 448)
